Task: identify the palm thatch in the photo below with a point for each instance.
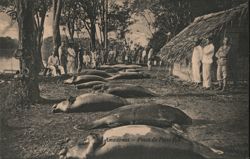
(180, 47)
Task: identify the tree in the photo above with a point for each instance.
(88, 17)
(119, 16)
(70, 16)
(57, 8)
(172, 17)
(27, 50)
(40, 9)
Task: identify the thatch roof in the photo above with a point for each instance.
(180, 46)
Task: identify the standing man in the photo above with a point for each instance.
(222, 63)
(207, 60)
(80, 59)
(71, 59)
(93, 58)
(196, 62)
(144, 54)
(86, 60)
(150, 56)
(63, 56)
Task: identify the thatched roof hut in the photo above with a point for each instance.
(180, 47)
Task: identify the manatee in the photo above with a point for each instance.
(89, 84)
(129, 75)
(139, 142)
(97, 73)
(89, 102)
(132, 70)
(120, 66)
(146, 114)
(83, 79)
(125, 90)
(112, 70)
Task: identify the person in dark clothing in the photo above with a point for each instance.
(80, 59)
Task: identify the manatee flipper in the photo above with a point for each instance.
(219, 152)
(179, 129)
(112, 125)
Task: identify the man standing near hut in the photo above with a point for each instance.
(222, 60)
(196, 62)
(71, 60)
(80, 59)
(207, 60)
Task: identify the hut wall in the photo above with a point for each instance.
(183, 70)
(239, 57)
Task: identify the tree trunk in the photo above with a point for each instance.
(40, 30)
(93, 33)
(71, 30)
(57, 8)
(27, 52)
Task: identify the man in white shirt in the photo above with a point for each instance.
(86, 59)
(93, 58)
(144, 54)
(71, 65)
(196, 62)
(53, 65)
(207, 60)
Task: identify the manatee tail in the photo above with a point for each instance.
(83, 127)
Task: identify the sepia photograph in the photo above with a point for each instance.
(124, 79)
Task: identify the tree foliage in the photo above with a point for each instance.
(119, 17)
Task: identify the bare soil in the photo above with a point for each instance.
(221, 120)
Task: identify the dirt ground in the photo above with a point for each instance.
(221, 120)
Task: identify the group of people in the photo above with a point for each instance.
(203, 54)
(70, 60)
(136, 55)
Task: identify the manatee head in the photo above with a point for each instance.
(63, 106)
(70, 80)
(83, 149)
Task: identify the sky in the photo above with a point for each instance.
(139, 31)
(7, 29)
(11, 30)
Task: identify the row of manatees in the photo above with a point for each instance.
(136, 131)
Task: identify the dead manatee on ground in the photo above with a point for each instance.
(97, 73)
(90, 102)
(89, 84)
(146, 114)
(125, 90)
(138, 142)
(129, 75)
(83, 79)
(120, 66)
